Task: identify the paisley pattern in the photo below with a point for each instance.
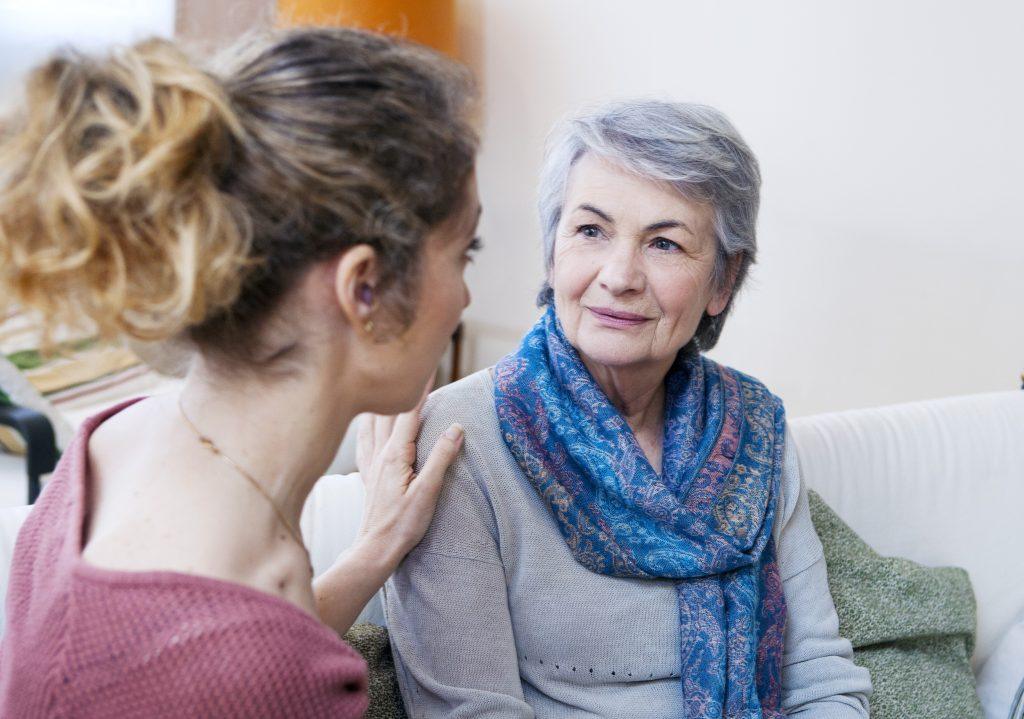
(705, 522)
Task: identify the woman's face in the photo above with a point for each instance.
(632, 271)
(442, 295)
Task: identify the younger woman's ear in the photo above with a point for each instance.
(356, 279)
(720, 299)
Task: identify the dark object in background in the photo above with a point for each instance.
(372, 642)
(41, 453)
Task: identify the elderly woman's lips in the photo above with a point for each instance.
(616, 318)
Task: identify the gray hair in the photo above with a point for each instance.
(692, 147)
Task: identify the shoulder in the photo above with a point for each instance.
(465, 521)
(470, 403)
(469, 399)
(791, 483)
(794, 532)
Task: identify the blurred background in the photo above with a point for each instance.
(890, 137)
(891, 265)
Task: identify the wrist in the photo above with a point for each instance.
(375, 558)
(357, 574)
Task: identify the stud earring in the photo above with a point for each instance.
(368, 326)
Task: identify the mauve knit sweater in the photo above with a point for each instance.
(82, 641)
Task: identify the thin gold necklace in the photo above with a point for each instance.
(212, 446)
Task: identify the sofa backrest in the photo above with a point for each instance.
(940, 482)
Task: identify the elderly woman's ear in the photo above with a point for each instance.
(721, 296)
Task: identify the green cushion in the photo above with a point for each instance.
(911, 626)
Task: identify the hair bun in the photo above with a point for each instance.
(110, 210)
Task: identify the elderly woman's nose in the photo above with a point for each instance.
(621, 271)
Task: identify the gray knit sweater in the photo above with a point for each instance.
(490, 616)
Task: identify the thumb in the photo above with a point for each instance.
(444, 452)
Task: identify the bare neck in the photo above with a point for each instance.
(284, 432)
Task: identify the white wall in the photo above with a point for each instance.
(31, 29)
(891, 137)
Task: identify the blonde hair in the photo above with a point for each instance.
(148, 197)
(108, 207)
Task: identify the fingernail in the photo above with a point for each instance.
(454, 432)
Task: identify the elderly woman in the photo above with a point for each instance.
(626, 532)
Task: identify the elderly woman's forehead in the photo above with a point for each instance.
(598, 178)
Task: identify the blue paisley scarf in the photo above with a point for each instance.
(705, 522)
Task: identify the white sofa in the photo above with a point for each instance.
(940, 482)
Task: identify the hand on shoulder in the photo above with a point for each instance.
(400, 502)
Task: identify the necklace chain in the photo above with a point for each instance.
(212, 447)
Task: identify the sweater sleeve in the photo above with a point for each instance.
(447, 604)
(819, 678)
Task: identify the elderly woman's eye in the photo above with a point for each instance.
(591, 231)
(666, 245)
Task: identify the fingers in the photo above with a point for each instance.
(444, 452)
(382, 425)
(407, 424)
(412, 418)
(396, 433)
(406, 429)
(365, 446)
